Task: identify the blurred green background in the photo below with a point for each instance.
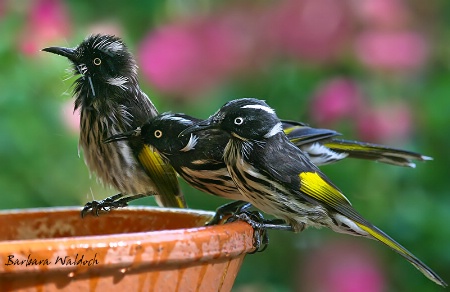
(374, 70)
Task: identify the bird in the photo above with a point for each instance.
(198, 158)
(278, 178)
(110, 101)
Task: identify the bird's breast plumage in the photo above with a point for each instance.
(266, 193)
(113, 163)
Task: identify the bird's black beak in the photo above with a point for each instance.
(200, 126)
(123, 136)
(65, 52)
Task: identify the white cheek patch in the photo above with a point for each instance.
(261, 107)
(119, 81)
(275, 130)
(82, 68)
(191, 143)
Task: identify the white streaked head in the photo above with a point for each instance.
(247, 119)
(104, 64)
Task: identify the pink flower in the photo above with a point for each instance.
(392, 50)
(336, 99)
(70, 118)
(382, 13)
(48, 21)
(172, 59)
(386, 123)
(314, 29)
(342, 266)
(2, 8)
(190, 58)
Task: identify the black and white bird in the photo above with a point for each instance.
(110, 101)
(275, 176)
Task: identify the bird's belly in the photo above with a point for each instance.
(114, 163)
(217, 182)
(272, 198)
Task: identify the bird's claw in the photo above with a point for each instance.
(106, 205)
(227, 210)
(256, 220)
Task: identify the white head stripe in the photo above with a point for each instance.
(261, 107)
(114, 46)
(275, 130)
(106, 45)
(178, 119)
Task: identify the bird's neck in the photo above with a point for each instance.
(103, 112)
(102, 98)
(238, 149)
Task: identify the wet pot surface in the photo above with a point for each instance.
(136, 249)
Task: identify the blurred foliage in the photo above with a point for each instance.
(405, 104)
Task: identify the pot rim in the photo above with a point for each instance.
(189, 245)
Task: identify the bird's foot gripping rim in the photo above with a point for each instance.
(227, 210)
(106, 205)
(255, 220)
(260, 227)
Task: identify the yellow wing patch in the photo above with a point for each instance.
(164, 177)
(287, 131)
(312, 184)
(352, 147)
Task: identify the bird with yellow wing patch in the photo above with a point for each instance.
(278, 178)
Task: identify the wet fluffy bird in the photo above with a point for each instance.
(278, 178)
(110, 102)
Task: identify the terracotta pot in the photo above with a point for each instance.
(132, 249)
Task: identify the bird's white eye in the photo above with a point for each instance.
(238, 121)
(158, 134)
(97, 61)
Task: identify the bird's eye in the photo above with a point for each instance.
(158, 134)
(238, 121)
(97, 61)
